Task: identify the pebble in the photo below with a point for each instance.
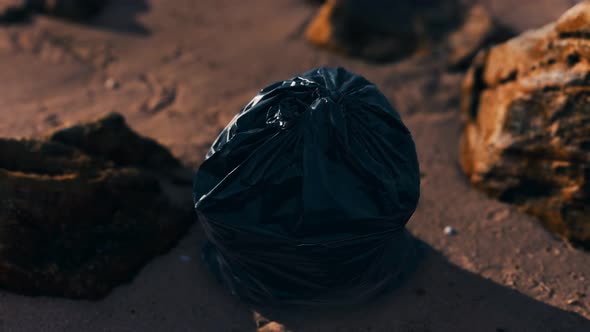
(450, 230)
(573, 302)
(111, 84)
(498, 215)
(185, 258)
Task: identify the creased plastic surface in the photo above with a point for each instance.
(305, 194)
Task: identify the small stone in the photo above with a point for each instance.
(185, 258)
(111, 84)
(573, 302)
(498, 215)
(52, 120)
(450, 230)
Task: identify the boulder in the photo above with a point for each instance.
(526, 109)
(83, 209)
(381, 30)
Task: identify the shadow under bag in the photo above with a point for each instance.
(304, 196)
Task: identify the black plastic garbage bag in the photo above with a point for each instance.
(305, 194)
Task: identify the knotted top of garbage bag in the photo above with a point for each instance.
(305, 194)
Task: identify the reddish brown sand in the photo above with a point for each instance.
(183, 69)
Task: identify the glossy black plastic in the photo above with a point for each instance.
(304, 196)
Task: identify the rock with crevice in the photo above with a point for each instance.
(380, 30)
(82, 210)
(526, 107)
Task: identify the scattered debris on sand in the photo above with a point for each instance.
(450, 230)
(82, 210)
(527, 123)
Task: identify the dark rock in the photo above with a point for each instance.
(18, 10)
(381, 30)
(72, 9)
(527, 123)
(479, 30)
(13, 11)
(76, 223)
(112, 139)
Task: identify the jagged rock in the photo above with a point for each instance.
(80, 217)
(382, 30)
(526, 140)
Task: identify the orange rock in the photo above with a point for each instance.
(526, 107)
(319, 31)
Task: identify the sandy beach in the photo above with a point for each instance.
(179, 70)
